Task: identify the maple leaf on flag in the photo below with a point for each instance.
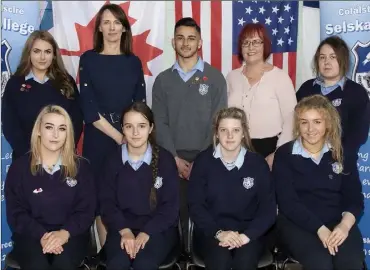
(141, 48)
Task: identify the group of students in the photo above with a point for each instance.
(244, 156)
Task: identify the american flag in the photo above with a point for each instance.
(222, 21)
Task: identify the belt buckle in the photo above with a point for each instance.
(111, 115)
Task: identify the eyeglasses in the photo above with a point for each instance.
(255, 43)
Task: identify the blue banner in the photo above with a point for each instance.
(19, 20)
(351, 21)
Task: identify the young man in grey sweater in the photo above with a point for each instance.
(185, 99)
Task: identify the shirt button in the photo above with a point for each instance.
(144, 100)
(85, 84)
(142, 84)
(81, 68)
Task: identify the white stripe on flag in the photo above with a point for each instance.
(227, 36)
(285, 62)
(186, 9)
(205, 24)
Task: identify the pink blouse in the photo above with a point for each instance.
(269, 104)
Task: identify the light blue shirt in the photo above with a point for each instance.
(56, 167)
(237, 163)
(147, 157)
(326, 90)
(187, 75)
(299, 150)
(32, 76)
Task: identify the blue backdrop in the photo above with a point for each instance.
(19, 19)
(351, 21)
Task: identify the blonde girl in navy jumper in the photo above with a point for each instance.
(319, 200)
(139, 197)
(40, 79)
(231, 197)
(49, 206)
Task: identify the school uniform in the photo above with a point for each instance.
(23, 99)
(109, 84)
(48, 202)
(125, 203)
(238, 198)
(352, 103)
(312, 193)
(184, 105)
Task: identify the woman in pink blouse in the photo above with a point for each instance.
(263, 91)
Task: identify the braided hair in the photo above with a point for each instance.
(147, 113)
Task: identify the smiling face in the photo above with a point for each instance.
(111, 27)
(136, 129)
(186, 42)
(252, 49)
(328, 63)
(41, 55)
(53, 132)
(312, 128)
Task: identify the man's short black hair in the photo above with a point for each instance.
(187, 21)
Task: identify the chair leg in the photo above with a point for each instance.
(284, 264)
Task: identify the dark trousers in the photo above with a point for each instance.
(308, 249)
(96, 148)
(28, 253)
(154, 253)
(184, 210)
(221, 258)
(265, 146)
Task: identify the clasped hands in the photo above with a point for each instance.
(333, 239)
(232, 239)
(52, 242)
(184, 167)
(131, 244)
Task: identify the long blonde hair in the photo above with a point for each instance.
(56, 72)
(68, 154)
(333, 134)
(233, 113)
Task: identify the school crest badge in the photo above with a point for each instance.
(337, 102)
(361, 68)
(158, 182)
(203, 89)
(5, 67)
(248, 182)
(71, 182)
(337, 167)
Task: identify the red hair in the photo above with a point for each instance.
(250, 30)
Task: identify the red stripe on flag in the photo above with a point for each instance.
(292, 69)
(178, 10)
(216, 33)
(195, 9)
(236, 63)
(278, 60)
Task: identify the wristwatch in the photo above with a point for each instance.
(218, 233)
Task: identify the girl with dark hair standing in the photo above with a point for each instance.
(111, 79)
(40, 79)
(138, 201)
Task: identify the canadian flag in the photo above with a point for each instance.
(74, 27)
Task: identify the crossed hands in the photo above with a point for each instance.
(333, 239)
(52, 242)
(184, 167)
(131, 244)
(232, 239)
